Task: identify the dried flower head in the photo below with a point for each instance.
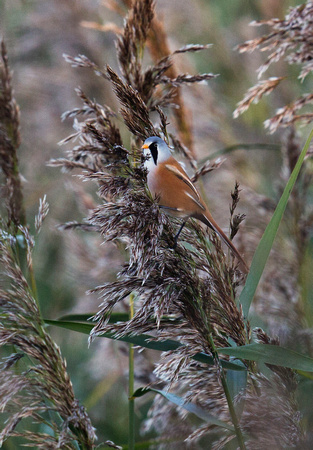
(42, 213)
(289, 39)
(255, 94)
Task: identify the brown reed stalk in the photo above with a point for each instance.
(9, 144)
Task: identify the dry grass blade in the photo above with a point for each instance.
(185, 78)
(109, 26)
(287, 116)
(42, 213)
(235, 219)
(255, 94)
(180, 148)
(85, 63)
(207, 168)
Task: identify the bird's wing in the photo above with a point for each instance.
(184, 177)
(196, 201)
(169, 208)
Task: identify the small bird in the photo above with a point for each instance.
(170, 184)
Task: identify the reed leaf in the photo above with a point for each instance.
(266, 242)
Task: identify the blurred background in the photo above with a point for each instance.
(67, 264)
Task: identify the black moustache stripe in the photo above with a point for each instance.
(154, 152)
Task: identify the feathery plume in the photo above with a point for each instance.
(289, 39)
(43, 385)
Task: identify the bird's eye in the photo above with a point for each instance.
(154, 152)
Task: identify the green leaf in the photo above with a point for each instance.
(305, 374)
(270, 354)
(143, 340)
(232, 444)
(266, 242)
(190, 407)
(84, 328)
(114, 317)
(236, 381)
(306, 283)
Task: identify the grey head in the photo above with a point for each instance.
(158, 151)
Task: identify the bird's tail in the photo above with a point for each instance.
(208, 220)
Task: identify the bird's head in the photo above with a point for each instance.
(156, 150)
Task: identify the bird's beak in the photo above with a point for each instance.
(145, 146)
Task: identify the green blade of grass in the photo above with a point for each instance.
(131, 383)
(190, 407)
(236, 381)
(266, 242)
(143, 340)
(271, 354)
(114, 317)
(306, 283)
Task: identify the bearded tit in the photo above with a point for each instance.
(176, 194)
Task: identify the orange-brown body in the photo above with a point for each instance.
(172, 194)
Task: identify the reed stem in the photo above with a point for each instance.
(131, 400)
